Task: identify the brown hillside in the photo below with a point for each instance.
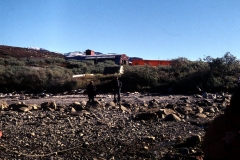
(18, 52)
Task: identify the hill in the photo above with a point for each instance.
(18, 52)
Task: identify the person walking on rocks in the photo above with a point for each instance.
(222, 139)
(117, 86)
(91, 91)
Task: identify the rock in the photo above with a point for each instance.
(3, 105)
(145, 147)
(145, 116)
(198, 96)
(49, 106)
(205, 95)
(184, 110)
(20, 107)
(187, 101)
(172, 117)
(199, 110)
(73, 110)
(184, 98)
(219, 100)
(101, 122)
(203, 103)
(193, 140)
(210, 110)
(171, 106)
(112, 104)
(24, 109)
(94, 105)
(224, 104)
(124, 109)
(186, 117)
(153, 103)
(77, 106)
(101, 100)
(184, 150)
(127, 104)
(83, 103)
(207, 102)
(148, 138)
(35, 107)
(212, 96)
(200, 115)
(167, 111)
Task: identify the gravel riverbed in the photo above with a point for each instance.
(143, 126)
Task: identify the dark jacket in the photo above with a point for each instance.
(91, 90)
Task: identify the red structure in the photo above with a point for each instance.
(151, 62)
(90, 52)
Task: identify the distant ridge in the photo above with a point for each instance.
(39, 49)
(18, 52)
(73, 54)
(78, 53)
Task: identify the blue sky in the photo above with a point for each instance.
(151, 29)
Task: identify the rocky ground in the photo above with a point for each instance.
(143, 126)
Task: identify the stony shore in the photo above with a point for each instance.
(143, 126)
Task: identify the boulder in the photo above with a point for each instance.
(124, 109)
(111, 104)
(95, 104)
(146, 116)
(23, 109)
(20, 107)
(184, 110)
(167, 111)
(3, 105)
(210, 109)
(200, 115)
(187, 101)
(153, 103)
(49, 106)
(77, 106)
(198, 96)
(35, 106)
(199, 110)
(193, 140)
(207, 102)
(172, 117)
(205, 95)
(148, 138)
(171, 106)
(83, 103)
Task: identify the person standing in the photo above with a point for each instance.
(91, 91)
(117, 85)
